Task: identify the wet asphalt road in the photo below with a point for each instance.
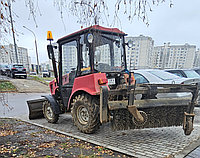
(14, 104)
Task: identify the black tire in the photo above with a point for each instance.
(189, 128)
(9, 74)
(25, 77)
(12, 75)
(85, 113)
(50, 116)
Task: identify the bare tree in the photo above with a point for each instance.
(88, 12)
(91, 12)
(4, 18)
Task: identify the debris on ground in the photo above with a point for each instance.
(21, 139)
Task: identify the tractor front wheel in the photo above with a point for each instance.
(50, 116)
(85, 113)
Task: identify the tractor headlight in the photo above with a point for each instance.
(90, 38)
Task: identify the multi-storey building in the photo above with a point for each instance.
(174, 56)
(141, 54)
(102, 55)
(8, 56)
(197, 59)
(69, 58)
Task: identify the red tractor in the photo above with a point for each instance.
(93, 82)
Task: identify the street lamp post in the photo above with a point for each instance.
(37, 70)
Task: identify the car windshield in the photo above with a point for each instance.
(4, 66)
(191, 74)
(18, 66)
(164, 75)
(108, 54)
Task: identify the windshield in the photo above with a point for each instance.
(4, 66)
(191, 74)
(164, 75)
(108, 53)
(18, 66)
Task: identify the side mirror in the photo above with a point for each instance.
(130, 43)
(50, 51)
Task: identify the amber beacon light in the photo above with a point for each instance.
(49, 36)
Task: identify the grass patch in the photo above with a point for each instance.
(42, 80)
(6, 86)
(48, 78)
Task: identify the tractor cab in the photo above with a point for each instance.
(93, 50)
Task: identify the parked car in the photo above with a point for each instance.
(197, 70)
(187, 73)
(3, 69)
(162, 77)
(32, 73)
(45, 73)
(16, 70)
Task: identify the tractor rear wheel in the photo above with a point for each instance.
(50, 116)
(85, 113)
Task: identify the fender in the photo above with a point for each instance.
(54, 105)
(88, 84)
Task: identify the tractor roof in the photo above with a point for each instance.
(97, 28)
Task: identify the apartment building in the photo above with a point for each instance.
(8, 56)
(174, 56)
(69, 58)
(141, 55)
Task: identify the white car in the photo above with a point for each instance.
(163, 77)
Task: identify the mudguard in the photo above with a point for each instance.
(54, 104)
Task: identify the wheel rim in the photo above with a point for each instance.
(49, 112)
(82, 114)
(189, 127)
(145, 117)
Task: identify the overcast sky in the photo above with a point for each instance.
(177, 25)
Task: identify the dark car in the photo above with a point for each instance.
(3, 69)
(197, 70)
(45, 73)
(16, 70)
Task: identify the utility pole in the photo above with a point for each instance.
(37, 70)
(13, 32)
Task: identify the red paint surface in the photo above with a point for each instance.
(95, 27)
(88, 83)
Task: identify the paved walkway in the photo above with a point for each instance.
(30, 86)
(147, 143)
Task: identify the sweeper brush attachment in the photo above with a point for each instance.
(152, 113)
(169, 112)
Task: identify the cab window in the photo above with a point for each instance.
(140, 79)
